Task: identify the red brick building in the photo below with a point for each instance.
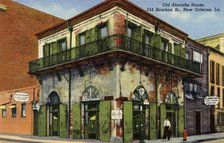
(18, 45)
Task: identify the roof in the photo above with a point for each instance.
(210, 37)
(108, 4)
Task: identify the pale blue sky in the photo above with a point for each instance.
(196, 24)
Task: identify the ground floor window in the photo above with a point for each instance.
(3, 107)
(23, 110)
(13, 110)
(220, 119)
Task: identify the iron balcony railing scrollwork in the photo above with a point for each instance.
(113, 43)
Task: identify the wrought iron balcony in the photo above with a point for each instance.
(110, 44)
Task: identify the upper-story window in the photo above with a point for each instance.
(54, 47)
(103, 31)
(197, 57)
(62, 45)
(164, 44)
(187, 55)
(193, 90)
(217, 73)
(212, 71)
(82, 38)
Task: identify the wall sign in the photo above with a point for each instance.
(116, 114)
(211, 100)
(21, 97)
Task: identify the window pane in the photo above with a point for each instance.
(23, 110)
(82, 39)
(129, 32)
(13, 109)
(197, 57)
(3, 111)
(217, 73)
(103, 32)
(190, 86)
(62, 45)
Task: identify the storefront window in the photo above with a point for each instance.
(23, 110)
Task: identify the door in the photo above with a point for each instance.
(91, 120)
(137, 121)
(54, 119)
(198, 122)
(172, 117)
(128, 124)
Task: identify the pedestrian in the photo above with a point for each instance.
(167, 127)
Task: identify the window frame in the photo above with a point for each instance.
(60, 41)
(13, 109)
(4, 111)
(80, 38)
(217, 74)
(100, 27)
(23, 109)
(212, 71)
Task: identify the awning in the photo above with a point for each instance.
(13, 106)
(3, 107)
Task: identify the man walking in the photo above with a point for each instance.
(167, 127)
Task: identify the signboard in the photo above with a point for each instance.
(21, 97)
(116, 114)
(211, 100)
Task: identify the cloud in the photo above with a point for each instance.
(205, 17)
(56, 9)
(184, 16)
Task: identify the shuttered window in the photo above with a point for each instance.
(62, 45)
(212, 71)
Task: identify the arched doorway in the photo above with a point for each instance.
(138, 99)
(90, 106)
(53, 103)
(171, 110)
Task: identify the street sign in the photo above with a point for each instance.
(116, 114)
(211, 100)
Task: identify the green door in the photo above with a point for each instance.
(104, 120)
(162, 117)
(137, 36)
(42, 130)
(152, 121)
(181, 121)
(62, 120)
(76, 120)
(128, 123)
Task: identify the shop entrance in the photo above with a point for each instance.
(90, 110)
(91, 120)
(137, 120)
(53, 102)
(172, 117)
(139, 107)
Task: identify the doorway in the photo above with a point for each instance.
(198, 122)
(137, 120)
(91, 120)
(172, 117)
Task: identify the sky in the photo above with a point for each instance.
(195, 23)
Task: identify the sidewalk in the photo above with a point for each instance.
(37, 139)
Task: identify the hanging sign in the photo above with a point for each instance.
(211, 100)
(21, 97)
(116, 114)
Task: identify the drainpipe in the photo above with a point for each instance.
(70, 28)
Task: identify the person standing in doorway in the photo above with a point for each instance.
(167, 127)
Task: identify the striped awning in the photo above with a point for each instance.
(3, 107)
(13, 106)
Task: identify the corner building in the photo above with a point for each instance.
(99, 67)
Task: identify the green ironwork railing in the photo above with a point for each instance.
(113, 43)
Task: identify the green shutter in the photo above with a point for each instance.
(169, 57)
(42, 124)
(62, 120)
(75, 52)
(183, 53)
(152, 121)
(54, 48)
(128, 121)
(181, 121)
(177, 49)
(76, 120)
(104, 120)
(156, 41)
(88, 36)
(137, 35)
(162, 117)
